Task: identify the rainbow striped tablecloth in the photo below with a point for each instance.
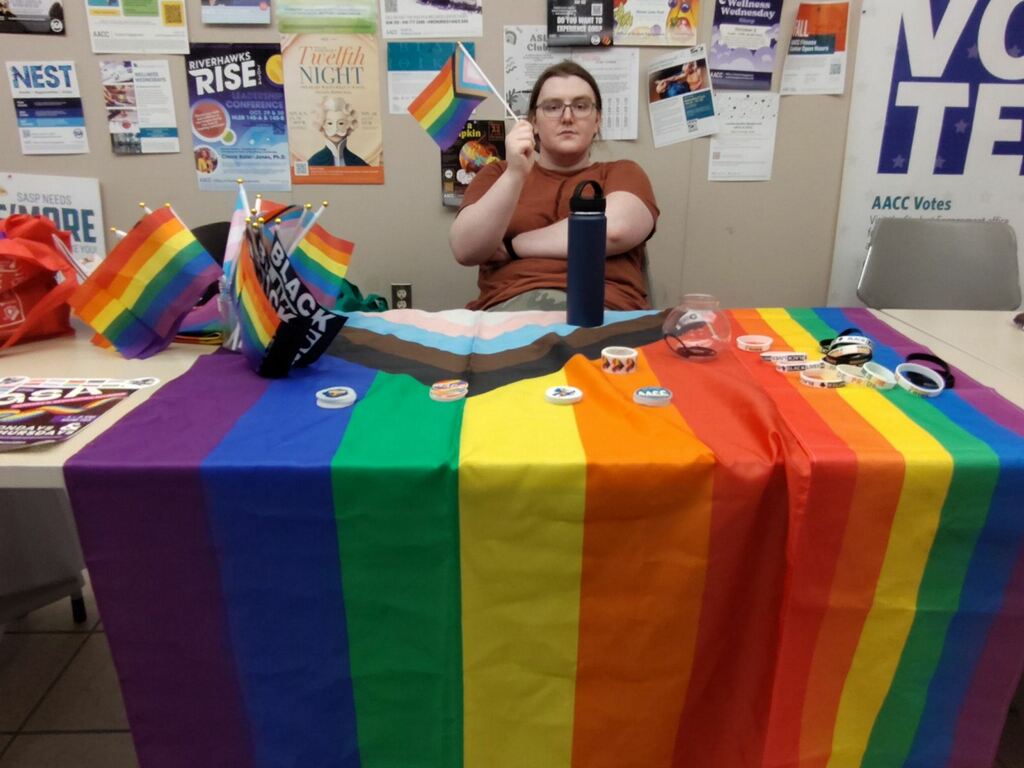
(762, 574)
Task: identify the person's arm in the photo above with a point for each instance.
(629, 223)
(477, 232)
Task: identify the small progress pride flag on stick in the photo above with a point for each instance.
(447, 102)
(139, 295)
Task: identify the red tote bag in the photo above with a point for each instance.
(33, 304)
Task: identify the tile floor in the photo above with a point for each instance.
(60, 703)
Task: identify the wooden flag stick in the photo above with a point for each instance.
(489, 83)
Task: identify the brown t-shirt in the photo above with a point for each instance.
(545, 200)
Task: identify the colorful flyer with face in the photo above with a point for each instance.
(48, 106)
(332, 85)
(140, 106)
(681, 100)
(237, 114)
(656, 22)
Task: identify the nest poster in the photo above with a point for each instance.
(236, 110)
(332, 87)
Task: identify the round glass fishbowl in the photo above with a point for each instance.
(697, 327)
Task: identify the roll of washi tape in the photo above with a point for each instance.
(919, 380)
(822, 378)
(754, 343)
(878, 376)
(852, 374)
(563, 395)
(652, 396)
(783, 356)
(336, 397)
(792, 366)
(618, 359)
(448, 390)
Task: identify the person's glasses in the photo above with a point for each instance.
(553, 109)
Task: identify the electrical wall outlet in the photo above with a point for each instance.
(401, 295)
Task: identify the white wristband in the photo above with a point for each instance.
(878, 376)
(904, 381)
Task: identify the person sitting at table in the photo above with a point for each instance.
(513, 223)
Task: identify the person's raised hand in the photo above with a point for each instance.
(519, 150)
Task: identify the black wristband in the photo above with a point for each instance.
(508, 247)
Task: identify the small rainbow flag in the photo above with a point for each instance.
(138, 296)
(321, 260)
(447, 102)
(257, 318)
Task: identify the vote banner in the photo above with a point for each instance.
(935, 123)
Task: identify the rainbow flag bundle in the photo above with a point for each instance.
(760, 574)
(450, 98)
(321, 261)
(281, 322)
(138, 296)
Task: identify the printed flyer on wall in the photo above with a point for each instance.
(235, 11)
(336, 16)
(656, 22)
(38, 411)
(70, 202)
(616, 70)
(332, 88)
(137, 26)
(816, 63)
(580, 22)
(48, 107)
(32, 17)
(140, 106)
(431, 18)
(682, 103)
(744, 147)
(237, 113)
(744, 39)
(480, 143)
(411, 67)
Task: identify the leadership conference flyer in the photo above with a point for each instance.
(237, 114)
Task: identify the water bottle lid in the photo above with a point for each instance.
(580, 204)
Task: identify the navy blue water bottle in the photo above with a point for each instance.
(588, 227)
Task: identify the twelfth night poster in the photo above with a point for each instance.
(332, 91)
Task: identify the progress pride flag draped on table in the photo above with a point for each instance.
(730, 581)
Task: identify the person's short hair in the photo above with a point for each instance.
(564, 68)
(335, 104)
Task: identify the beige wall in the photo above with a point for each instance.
(751, 244)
